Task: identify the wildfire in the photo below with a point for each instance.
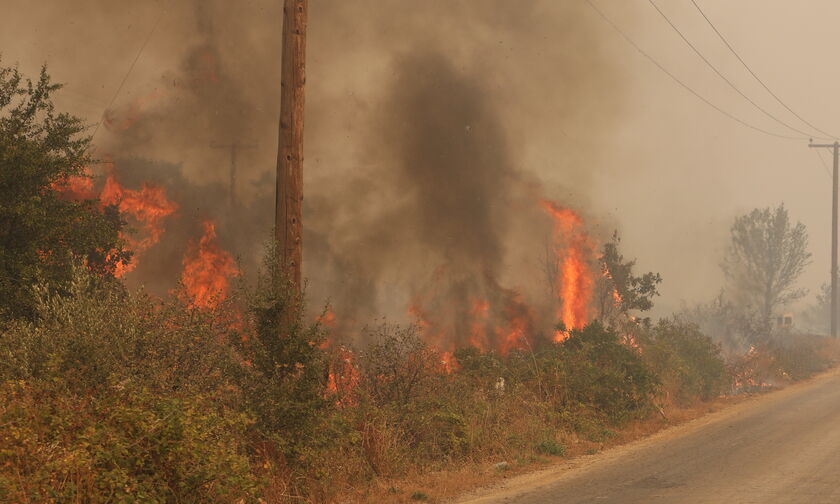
(448, 363)
(502, 323)
(574, 282)
(124, 119)
(479, 314)
(148, 206)
(432, 334)
(343, 377)
(519, 327)
(207, 270)
(76, 187)
(328, 319)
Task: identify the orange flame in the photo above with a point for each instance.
(617, 299)
(432, 334)
(479, 314)
(207, 270)
(328, 319)
(76, 187)
(574, 276)
(448, 364)
(343, 378)
(149, 206)
(520, 322)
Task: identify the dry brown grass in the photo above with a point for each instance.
(445, 485)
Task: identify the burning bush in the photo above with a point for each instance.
(42, 154)
(782, 360)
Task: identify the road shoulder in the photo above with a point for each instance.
(521, 484)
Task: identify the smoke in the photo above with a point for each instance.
(440, 214)
(433, 130)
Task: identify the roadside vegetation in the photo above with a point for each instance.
(113, 395)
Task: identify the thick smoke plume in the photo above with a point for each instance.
(433, 131)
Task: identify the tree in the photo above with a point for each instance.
(42, 231)
(283, 382)
(619, 291)
(765, 258)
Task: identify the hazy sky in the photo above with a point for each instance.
(666, 168)
(688, 169)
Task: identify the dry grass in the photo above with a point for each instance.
(445, 485)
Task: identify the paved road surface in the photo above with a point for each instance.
(783, 447)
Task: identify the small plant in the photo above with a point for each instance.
(419, 496)
(551, 447)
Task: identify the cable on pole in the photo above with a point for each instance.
(828, 136)
(825, 165)
(130, 69)
(677, 79)
(720, 74)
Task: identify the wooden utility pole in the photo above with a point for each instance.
(234, 147)
(287, 218)
(836, 148)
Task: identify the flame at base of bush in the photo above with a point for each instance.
(207, 270)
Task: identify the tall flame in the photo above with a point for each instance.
(574, 281)
(479, 315)
(207, 270)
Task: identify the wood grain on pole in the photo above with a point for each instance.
(287, 219)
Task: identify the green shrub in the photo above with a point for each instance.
(122, 445)
(283, 378)
(95, 336)
(128, 357)
(689, 362)
(551, 447)
(602, 375)
(42, 232)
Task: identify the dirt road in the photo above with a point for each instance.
(783, 447)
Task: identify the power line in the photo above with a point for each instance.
(677, 80)
(720, 74)
(767, 88)
(130, 69)
(825, 165)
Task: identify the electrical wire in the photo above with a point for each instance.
(725, 79)
(757, 78)
(678, 81)
(128, 73)
(822, 160)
